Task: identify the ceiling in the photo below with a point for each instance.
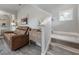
(48, 7)
(11, 8)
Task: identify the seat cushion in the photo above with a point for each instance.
(19, 32)
(9, 35)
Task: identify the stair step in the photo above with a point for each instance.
(49, 53)
(72, 39)
(74, 50)
(60, 51)
(66, 33)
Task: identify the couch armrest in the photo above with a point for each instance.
(17, 36)
(9, 32)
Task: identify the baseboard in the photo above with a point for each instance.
(38, 44)
(66, 33)
(35, 43)
(67, 43)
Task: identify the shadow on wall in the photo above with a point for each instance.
(66, 26)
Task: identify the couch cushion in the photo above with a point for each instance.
(9, 35)
(19, 32)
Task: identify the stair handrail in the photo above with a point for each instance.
(46, 34)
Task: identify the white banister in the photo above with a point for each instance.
(46, 34)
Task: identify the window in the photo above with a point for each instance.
(66, 15)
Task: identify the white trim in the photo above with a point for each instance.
(39, 44)
(46, 36)
(49, 53)
(67, 38)
(74, 50)
(66, 33)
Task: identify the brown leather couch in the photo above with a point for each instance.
(18, 38)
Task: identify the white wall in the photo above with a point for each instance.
(33, 13)
(67, 26)
(78, 17)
